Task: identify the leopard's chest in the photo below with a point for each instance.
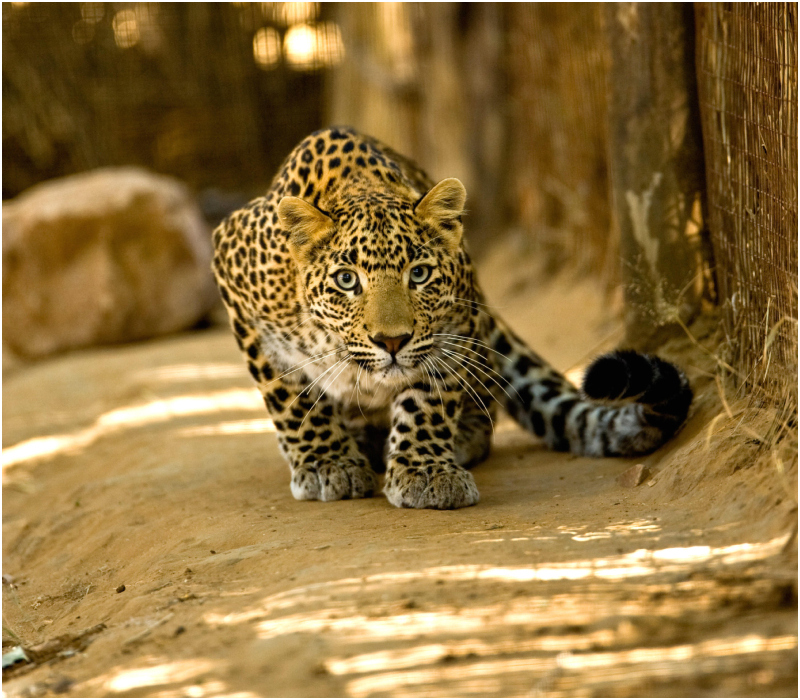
(319, 360)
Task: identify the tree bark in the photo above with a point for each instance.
(656, 162)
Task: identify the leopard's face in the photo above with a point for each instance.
(384, 284)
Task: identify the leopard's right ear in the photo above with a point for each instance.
(442, 208)
(308, 227)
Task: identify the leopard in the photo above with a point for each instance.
(356, 306)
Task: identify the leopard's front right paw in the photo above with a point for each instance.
(440, 486)
(323, 481)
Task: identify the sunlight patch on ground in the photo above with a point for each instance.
(434, 653)
(161, 674)
(45, 447)
(568, 656)
(464, 676)
(583, 534)
(237, 427)
(609, 531)
(193, 372)
(349, 622)
(578, 533)
(592, 536)
(210, 689)
(587, 670)
(156, 411)
(167, 409)
(190, 675)
(344, 618)
(749, 644)
(641, 562)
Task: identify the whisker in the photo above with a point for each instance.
(469, 306)
(477, 378)
(479, 362)
(479, 303)
(309, 361)
(307, 390)
(426, 375)
(482, 368)
(331, 380)
(358, 392)
(338, 374)
(379, 380)
(467, 339)
(428, 363)
(322, 393)
(468, 389)
(355, 384)
(465, 384)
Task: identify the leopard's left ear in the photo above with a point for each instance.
(308, 227)
(442, 208)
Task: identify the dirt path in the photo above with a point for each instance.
(153, 467)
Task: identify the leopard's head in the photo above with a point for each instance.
(382, 272)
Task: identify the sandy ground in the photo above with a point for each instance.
(153, 467)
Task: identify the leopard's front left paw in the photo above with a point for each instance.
(328, 481)
(443, 486)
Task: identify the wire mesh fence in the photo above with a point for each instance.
(214, 93)
(747, 71)
(558, 68)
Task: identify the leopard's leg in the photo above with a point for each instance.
(325, 461)
(476, 422)
(370, 429)
(422, 467)
(371, 440)
(475, 426)
(474, 435)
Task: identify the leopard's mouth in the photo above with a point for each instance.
(397, 371)
(381, 367)
(395, 368)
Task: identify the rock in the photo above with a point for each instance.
(110, 256)
(633, 476)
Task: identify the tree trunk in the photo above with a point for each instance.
(656, 160)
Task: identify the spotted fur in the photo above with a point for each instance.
(360, 318)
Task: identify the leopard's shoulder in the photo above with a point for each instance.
(333, 163)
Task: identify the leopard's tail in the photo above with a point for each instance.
(629, 404)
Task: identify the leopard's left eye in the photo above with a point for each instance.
(346, 280)
(420, 274)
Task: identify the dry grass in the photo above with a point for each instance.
(748, 425)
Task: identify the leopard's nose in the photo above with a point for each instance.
(392, 344)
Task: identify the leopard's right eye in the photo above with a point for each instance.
(346, 280)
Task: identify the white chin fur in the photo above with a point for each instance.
(396, 373)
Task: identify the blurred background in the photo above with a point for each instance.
(653, 147)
